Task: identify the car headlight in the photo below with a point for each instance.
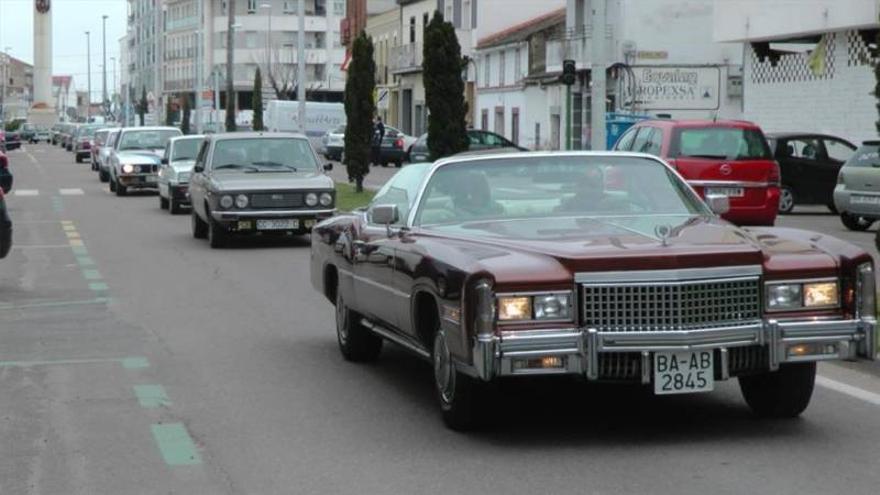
(326, 199)
(537, 307)
(241, 201)
(802, 295)
(128, 168)
(866, 299)
(311, 199)
(226, 201)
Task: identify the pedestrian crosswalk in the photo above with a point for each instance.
(36, 192)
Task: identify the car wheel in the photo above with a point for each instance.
(384, 164)
(832, 208)
(199, 227)
(398, 164)
(173, 206)
(217, 235)
(121, 190)
(356, 342)
(103, 176)
(462, 398)
(854, 222)
(78, 159)
(786, 200)
(780, 394)
(112, 184)
(163, 203)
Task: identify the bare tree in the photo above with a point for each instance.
(230, 64)
(281, 74)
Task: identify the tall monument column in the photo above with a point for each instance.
(43, 110)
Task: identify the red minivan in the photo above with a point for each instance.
(729, 157)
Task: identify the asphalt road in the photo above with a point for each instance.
(136, 360)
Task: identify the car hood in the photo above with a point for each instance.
(270, 181)
(140, 156)
(183, 165)
(521, 252)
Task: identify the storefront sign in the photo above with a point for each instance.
(676, 88)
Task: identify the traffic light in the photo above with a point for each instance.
(569, 72)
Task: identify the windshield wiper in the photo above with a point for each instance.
(237, 166)
(274, 164)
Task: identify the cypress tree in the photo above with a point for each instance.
(184, 119)
(142, 107)
(359, 109)
(258, 101)
(169, 115)
(442, 67)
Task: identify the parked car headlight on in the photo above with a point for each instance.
(552, 306)
(128, 168)
(226, 201)
(515, 308)
(241, 201)
(802, 295)
(311, 199)
(326, 199)
(535, 307)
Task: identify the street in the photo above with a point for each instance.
(134, 359)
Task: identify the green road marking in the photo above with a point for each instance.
(151, 396)
(79, 250)
(98, 286)
(176, 445)
(60, 362)
(68, 227)
(85, 261)
(91, 274)
(134, 363)
(53, 304)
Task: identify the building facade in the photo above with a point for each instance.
(65, 97)
(16, 87)
(806, 70)
(384, 29)
(144, 61)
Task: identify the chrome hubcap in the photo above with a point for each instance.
(444, 371)
(786, 200)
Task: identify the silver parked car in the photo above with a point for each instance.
(333, 142)
(258, 184)
(102, 159)
(857, 194)
(135, 159)
(177, 164)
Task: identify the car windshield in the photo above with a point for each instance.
(722, 143)
(868, 155)
(641, 193)
(264, 155)
(146, 140)
(186, 149)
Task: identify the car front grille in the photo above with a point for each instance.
(277, 200)
(147, 169)
(671, 305)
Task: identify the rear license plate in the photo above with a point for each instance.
(731, 192)
(683, 372)
(285, 224)
(865, 200)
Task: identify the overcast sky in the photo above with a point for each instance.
(70, 19)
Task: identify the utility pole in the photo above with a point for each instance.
(268, 6)
(597, 76)
(199, 65)
(89, 71)
(230, 65)
(301, 67)
(113, 87)
(104, 85)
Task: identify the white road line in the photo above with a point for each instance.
(858, 393)
(71, 192)
(41, 246)
(26, 192)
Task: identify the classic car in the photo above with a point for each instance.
(83, 140)
(857, 193)
(103, 157)
(69, 135)
(808, 165)
(27, 133)
(177, 164)
(333, 142)
(41, 134)
(95, 149)
(258, 184)
(479, 140)
(607, 266)
(5, 173)
(726, 157)
(136, 157)
(5, 228)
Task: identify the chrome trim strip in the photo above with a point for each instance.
(374, 284)
(728, 183)
(725, 363)
(393, 337)
(675, 275)
(234, 215)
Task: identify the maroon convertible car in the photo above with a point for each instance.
(604, 265)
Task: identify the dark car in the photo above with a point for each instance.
(809, 164)
(5, 173)
(10, 140)
(394, 148)
(83, 140)
(5, 228)
(246, 184)
(479, 140)
(28, 131)
(604, 266)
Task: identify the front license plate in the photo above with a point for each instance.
(731, 192)
(865, 200)
(683, 372)
(285, 224)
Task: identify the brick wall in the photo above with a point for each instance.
(789, 96)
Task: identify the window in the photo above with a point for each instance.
(514, 126)
(655, 142)
(625, 142)
(838, 150)
(466, 14)
(402, 189)
(517, 65)
(412, 29)
(448, 16)
(641, 140)
(499, 120)
(339, 7)
(501, 68)
(484, 119)
(288, 8)
(487, 79)
(250, 40)
(803, 149)
(425, 20)
(722, 142)
(251, 6)
(223, 7)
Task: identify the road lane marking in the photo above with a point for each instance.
(98, 286)
(41, 246)
(26, 192)
(135, 363)
(858, 393)
(85, 261)
(68, 227)
(76, 242)
(53, 304)
(79, 250)
(71, 192)
(91, 274)
(175, 444)
(62, 362)
(152, 396)
(72, 234)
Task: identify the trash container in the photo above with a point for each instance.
(616, 123)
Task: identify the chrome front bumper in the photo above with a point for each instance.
(231, 216)
(580, 349)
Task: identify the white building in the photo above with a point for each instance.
(808, 66)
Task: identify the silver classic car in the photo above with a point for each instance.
(135, 160)
(103, 157)
(177, 163)
(258, 184)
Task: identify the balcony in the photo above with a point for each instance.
(576, 44)
(406, 58)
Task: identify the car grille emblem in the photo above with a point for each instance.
(725, 169)
(663, 232)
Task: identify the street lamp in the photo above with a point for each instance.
(113, 87)
(89, 72)
(104, 72)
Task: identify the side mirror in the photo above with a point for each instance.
(164, 161)
(384, 214)
(718, 203)
(328, 167)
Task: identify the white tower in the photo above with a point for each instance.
(43, 110)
